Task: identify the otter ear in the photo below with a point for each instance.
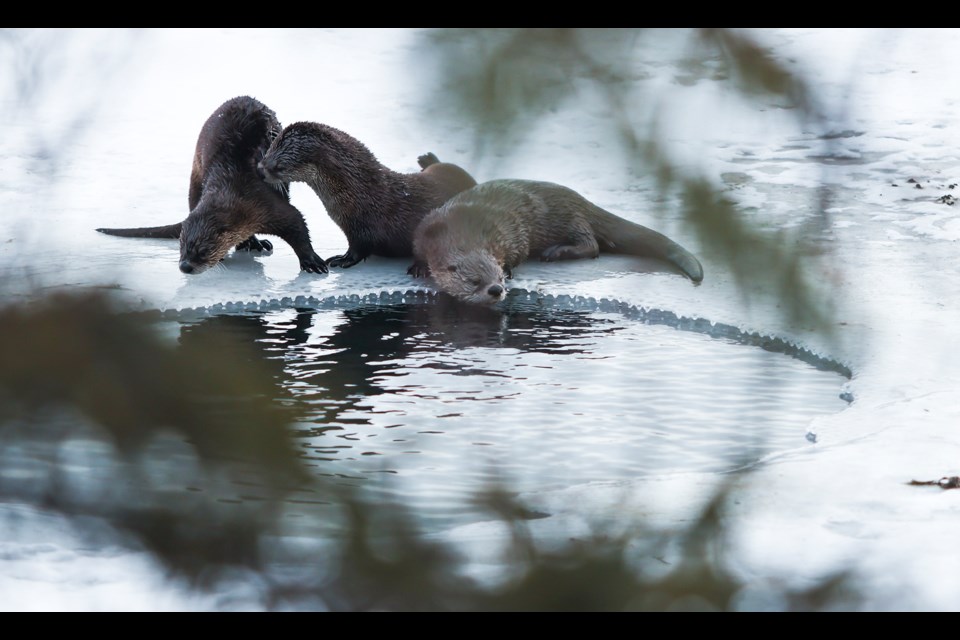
(435, 228)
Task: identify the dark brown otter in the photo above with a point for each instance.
(377, 209)
(229, 202)
(474, 240)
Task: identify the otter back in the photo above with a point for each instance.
(376, 208)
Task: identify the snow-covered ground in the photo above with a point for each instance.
(891, 249)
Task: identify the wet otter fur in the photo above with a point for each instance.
(378, 209)
(229, 202)
(471, 243)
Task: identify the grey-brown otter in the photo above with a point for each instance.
(377, 209)
(229, 202)
(474, 240)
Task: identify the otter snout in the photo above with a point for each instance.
(495, 291)
(186, 266)
(267, 169)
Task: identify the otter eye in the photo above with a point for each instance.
(452, 268)
(476, 282)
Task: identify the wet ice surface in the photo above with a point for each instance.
(805, 512)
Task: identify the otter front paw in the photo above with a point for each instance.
(346, 260)
(419, 270)
(313, 264)
(254, 244)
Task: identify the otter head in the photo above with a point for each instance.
(293, 154)
(205, 238)
(459, 267)
(472, 276)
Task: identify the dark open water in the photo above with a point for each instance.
(428, 401)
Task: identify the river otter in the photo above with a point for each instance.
(377, 209)
(470, 243)
(229, 202)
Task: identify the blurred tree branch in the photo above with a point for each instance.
(42, 66)
(73, 371)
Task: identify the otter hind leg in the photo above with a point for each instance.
(578, 242)
(568, 252)
(255, 244)
(427, 159)
(586, 247)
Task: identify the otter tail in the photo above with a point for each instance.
(168, 231)
(616, 235)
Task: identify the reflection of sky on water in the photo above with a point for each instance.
(429, 402)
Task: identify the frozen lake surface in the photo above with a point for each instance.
(805, 510)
